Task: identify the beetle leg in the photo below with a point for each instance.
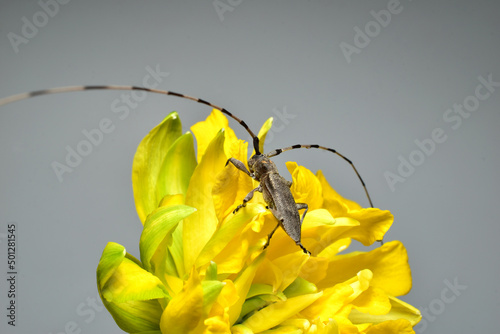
(241, 166)
(270, 235)
(301, 206)
(248, 197)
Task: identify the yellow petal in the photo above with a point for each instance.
(206, 130)
(230, 230)
(398, 310)
(290, 266)
(324, 238)
(373, 301)
(217, 324)
(284, 330)
(263, 133)
(278, 312)
(337, 204)
(303, 324)
(281, 244)
(175, 284)
(199, 227)
(315, 269)
(320, 327)
(168, 200)
(399, 326)
(306, 187)
(334, 248)
(269, 274)
(242, 285)
(374, 223)
(241, 329)
(318, 217)
(345, 326)
(389, 264)
(336, 297)
(228, 297)
(360, 283)
(232, 185)
(246, 244)
(185, 311)
(320, 230)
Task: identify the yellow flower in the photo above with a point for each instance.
(203, 269)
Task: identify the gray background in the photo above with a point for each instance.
(257, 58)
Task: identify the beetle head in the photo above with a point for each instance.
(260, 165)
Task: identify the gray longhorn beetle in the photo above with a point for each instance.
(274, 188)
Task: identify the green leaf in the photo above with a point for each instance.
(211, 290)
(128, 291)
(211, 272)
(299, 287)
(177, 168)
(129, 282)
(176, 251)
(136, 316)
(111, 258)
(251, 305)
(259, 289)
(158, 225)
(148, 162)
